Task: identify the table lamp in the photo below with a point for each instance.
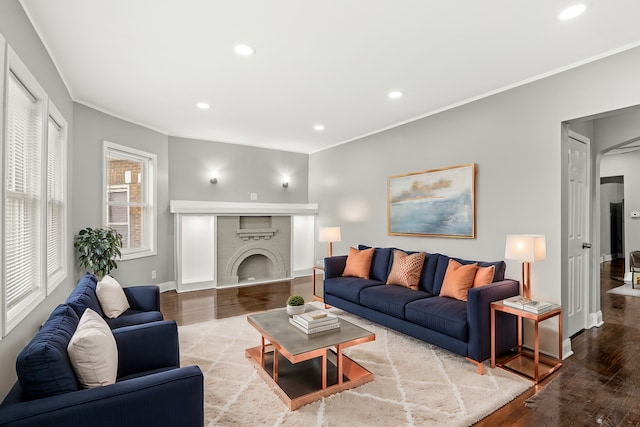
(527, 248)
(329, 234)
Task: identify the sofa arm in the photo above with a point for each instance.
(479, 318)
(170, 398)
(143, 298)
(146, 347)
(334, 266)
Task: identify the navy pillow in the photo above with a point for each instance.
(43, 366)
(84, 296)
(380, 264)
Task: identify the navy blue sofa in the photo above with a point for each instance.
(151, 389)
(144, 302)
(463, 327)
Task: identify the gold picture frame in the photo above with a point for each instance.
(433, 203)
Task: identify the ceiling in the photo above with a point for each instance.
(329, 62)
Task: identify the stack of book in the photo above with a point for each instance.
(315, 321)
(527, 304)
(537, 306)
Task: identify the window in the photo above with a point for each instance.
(56, 199)
(23, 163)
(130, 198)
(34, 151)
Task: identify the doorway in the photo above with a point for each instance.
(612, 225)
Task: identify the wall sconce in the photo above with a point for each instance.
(285, 181)
(213, 177)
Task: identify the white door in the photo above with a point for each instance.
(575, 310)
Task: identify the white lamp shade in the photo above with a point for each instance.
(526, 247)
(329, 234)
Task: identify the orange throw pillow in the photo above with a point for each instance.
(457, 280)
(406, 269)
(484, 276)
(358, 263)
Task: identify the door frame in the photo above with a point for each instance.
(593, 315)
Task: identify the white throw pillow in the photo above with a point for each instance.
(111, 297)
(93, 352)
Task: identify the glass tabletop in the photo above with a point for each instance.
(275, 326)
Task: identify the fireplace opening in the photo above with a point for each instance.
(255, 268)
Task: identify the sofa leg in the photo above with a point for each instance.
(478, 364)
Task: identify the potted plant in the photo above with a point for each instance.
(295, 305)
(98, 249)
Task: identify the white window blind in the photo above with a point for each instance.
(23, 194)
(56, 233)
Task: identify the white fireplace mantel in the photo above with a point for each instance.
(241, 208)
(196, 242)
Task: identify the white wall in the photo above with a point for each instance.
(627, 166)
(18, 32)
(515, 139)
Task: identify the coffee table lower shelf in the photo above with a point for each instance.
(301, 383)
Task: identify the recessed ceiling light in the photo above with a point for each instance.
(572, 12)
(319, 128)
(395, 94)
(244, 50)
(203, 105)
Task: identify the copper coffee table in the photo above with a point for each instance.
(303, 368)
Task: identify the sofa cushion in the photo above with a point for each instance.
(93, 352)
(111, 297)
(358, 263)
(380, 263)
(134, 317)
(457, 280)
(441, 314)
(443, 263)
(428, 274)
(390, 300)
(484, 276)
(43, 366)
(406, 269)
(348, 288)
(84, 296)
(500, 267)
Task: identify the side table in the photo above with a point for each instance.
(319, 268)
(532, 366)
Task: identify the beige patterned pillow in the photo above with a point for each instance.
(406, 269)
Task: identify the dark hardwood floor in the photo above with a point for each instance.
(598, 385)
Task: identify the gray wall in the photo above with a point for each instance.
(515, 139)
(91, 128)
(627, 166)
(242, 170)
(18, 32)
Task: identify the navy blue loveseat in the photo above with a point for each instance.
(463, 327)
(144, 302)
(151, 388)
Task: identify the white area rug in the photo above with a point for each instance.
(416, 384)
(625, 289)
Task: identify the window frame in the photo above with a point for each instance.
(59, 275)
(12, 317)
(149, 194)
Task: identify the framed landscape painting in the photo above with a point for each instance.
(439, 202)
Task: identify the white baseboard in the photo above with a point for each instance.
(167, 286)
(566, 348)
(595, 320)
(605, 258)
